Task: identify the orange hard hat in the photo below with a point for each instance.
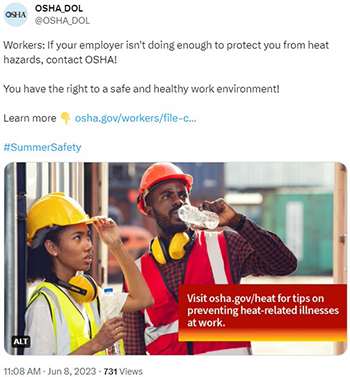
(156, 173)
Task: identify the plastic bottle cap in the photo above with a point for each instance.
(108, 290)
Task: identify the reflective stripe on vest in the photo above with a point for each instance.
(207, 264)
(152, 332)
(68, 322)
(215, 257)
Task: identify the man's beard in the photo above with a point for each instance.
(164, 223)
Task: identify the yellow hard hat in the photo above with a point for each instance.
(54, 209)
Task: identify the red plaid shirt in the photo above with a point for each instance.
(254, 251)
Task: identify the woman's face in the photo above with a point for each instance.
(74, 250)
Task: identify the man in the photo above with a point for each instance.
(180, 255)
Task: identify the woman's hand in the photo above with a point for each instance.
(107, 230)
(111, 331)
(139, 294)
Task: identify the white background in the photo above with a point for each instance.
(306, 121)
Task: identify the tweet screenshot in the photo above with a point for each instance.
(174, 187)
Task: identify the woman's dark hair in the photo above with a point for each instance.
(39, 260)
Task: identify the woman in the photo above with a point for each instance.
(57, 319)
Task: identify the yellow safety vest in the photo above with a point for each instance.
(68, 322)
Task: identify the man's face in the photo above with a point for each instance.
(163, 203)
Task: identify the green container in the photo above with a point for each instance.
(304, 221)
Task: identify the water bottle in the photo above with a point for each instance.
(192, 215)
(110, 309)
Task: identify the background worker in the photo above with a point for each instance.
(180, 255)
(60, 320)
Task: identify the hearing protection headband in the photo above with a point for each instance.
(72, 287)
(82, 288)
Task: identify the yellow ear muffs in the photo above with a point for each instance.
(88, 284)
(176, 248)
(82, 288)
(157, 248)
(177, 244)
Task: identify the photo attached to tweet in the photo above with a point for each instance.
(168, 258)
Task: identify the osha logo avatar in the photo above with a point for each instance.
(16, 14)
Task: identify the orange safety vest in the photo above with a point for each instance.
(208, 263)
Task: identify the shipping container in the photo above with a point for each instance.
(271, 175)
(303, 219)
(208, 179)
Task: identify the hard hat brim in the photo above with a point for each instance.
(39, 237)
